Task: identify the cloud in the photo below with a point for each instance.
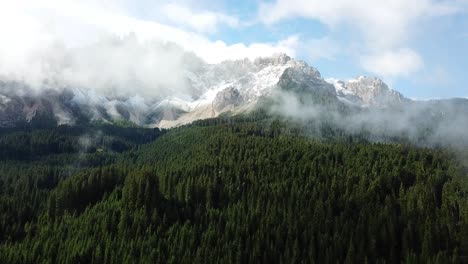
(375, 26)
(375, 18)
(401, 62)
(422, 123)
(87, 43)
(123, 66)
(204, 21)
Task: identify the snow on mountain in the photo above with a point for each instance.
(366, 91)
(4, 100)
(230, 86)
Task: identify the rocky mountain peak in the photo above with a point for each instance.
(227, 99)
(234, 86)
(373, 90)
(276, 59)
(367, 91)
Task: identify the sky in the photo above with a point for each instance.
(418, 47)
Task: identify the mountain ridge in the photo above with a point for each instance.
(230, 86)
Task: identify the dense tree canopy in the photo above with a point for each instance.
(227, 190)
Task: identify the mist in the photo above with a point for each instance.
(105, 46)
(113, 66)
(423, 123)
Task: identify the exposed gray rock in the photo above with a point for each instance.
(227, 99)
(235, 86)
(373, 91)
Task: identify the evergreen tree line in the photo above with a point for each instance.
(229, 190)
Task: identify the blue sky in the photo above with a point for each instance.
(418, 47)
(441, 42)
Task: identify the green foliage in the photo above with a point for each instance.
(124, 123)
(228, 190)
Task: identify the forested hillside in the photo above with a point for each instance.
(227, 191)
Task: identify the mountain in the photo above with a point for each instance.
(289, 171)
(212, 89)
(367, 91)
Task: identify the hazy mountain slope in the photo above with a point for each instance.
(229, 87)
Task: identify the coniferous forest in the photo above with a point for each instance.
(227, 190)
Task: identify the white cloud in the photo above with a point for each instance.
(126, 66)
(76, 23)
(203, 21)
(393, 63)
(383, 22)
(86, 43)
(372, 26)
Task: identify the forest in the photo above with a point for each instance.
(227, 190)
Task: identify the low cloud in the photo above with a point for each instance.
(99, 45)
(428, 123)
(114, 66)
(128, 66)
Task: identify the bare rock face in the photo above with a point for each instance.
(367, 92)
(305, 80)
(230, 86)
(11, 111)
(278, 59)
(373, 91)
(227, 99)
(26, 106)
